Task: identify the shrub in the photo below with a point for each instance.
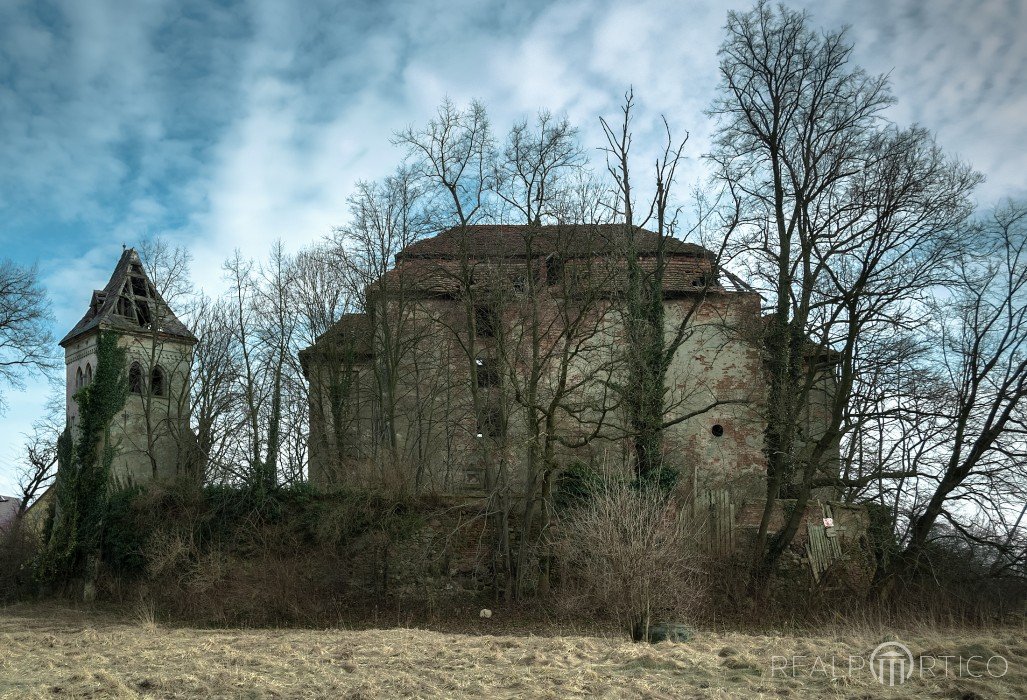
(630, 551)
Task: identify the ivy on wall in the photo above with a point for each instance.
(75, 529)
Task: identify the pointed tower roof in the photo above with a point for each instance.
(129, 303)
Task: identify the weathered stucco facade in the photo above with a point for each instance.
(474, 336)
(151, 434)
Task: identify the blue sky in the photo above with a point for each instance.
(224, 125)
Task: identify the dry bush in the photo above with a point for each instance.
(634, 554)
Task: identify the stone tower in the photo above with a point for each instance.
(152, 432)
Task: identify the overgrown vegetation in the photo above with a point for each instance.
(76, 528)
(632, 553)
(228, 555)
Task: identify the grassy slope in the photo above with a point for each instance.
(54, 652)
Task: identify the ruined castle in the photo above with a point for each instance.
(474, 334)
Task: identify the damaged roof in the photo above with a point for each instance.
(129, 303)
(570, 240)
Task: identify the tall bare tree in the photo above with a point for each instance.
(970, 472)
(653, 339)
(214, 394)
(165, 411)
(848, 221)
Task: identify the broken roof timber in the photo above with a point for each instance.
(128, 304)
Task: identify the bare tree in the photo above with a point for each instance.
(39, 463)
(549, 290)
(276, 330)
(26, 343)
(848, 221)
(214, 393)
(653, 338)
(386, 217)
(970, 476)
(165, 403)
(324, 290)
(266, 332)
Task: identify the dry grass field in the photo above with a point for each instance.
(52, 652)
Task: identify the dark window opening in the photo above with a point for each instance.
(135, 378)
(139, 287)
(157, 384)
(487, 372)
(143, 313)
(78, 378)
(89, 373)
(554, 270)
(486, 321)
(124, 307)
(717, 430)
(699, 282)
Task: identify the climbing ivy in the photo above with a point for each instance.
(75, 532)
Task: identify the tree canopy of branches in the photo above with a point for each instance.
(848, 222)
(26, 342)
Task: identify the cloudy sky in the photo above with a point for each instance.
(225, 125)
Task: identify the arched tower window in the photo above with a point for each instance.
(135, 378)
(157, 384)
(78, 379)
(89, 373)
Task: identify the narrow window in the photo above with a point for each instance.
(78, 378)
(487, 373)
(554, 270)
(485, 321)
(139, 287)
(135, 378)
(157, 384)
(89, 373)
(143, 313)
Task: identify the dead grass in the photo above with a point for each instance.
(54, 652)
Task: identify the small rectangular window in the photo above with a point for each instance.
(487, 372)
(486, 321)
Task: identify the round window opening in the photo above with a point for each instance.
(717, 430)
